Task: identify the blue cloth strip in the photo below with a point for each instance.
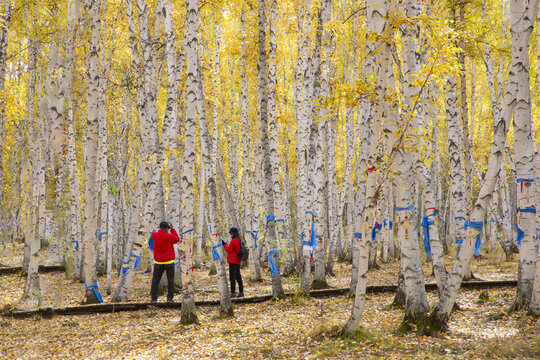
(426, 223)
(215, 254)
(274, 270)
(124, 268)
(270, 218)
(478, 225)
(520, 180)
(100, 234)
(309, 212)
(137, 261)
(254, 234)
(459, 241)
(460, 218)
(376, 227)
(76, 244)
(520, 234)
(177, 262)
(410, 207)
(313, 239)
(527, 210)
(95, 290)
(358, 235)
(185, 232)
(151, 242)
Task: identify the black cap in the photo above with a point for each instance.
(234, 231)
(164, 225)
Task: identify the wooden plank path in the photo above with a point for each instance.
(117, 307)
(41, 269)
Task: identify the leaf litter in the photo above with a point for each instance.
(293, 328)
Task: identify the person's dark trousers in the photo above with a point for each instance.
(235, 277)
(159, 269)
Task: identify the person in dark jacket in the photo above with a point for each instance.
(164, 259)
(232, 249)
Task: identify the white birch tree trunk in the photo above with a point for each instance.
(534, 306)
(522, 15)
(376, 21)
(32, 290)
(438, 319)
(188, 312)
(271, 160)
(249, 197)
(91, 176)
(4, 32)
(457, 200)
(75, 238)
(321, 90)
(209, 152)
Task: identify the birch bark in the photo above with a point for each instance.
(457, 200)
(416, 304)
(32, 291)
(75, 207)
(90, 182)
(534, 306)
(209, 150)
(248, 175)
(376, 22)
(271, 160)
(5, 23)
(522, 15)
(516, 97)
(188, 312)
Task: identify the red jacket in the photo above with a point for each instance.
(163, 245)
(232, 250)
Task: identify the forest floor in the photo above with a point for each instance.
(293, 328)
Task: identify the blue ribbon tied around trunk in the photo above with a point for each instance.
(151, 241)
(521, 233)
(274, 270)
(426, 223)
(215, 254)
(95, 290)
(477, 225)
(376, 227)
(254, 234)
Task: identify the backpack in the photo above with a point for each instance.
(243, 254)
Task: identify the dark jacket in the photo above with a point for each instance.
(232, 250)
(163, 246)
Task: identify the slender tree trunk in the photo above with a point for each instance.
(271, 181)
(376, 21)
(91, 176)
(209, 150)
(32, 291)
(464, 114)
(438, 319)
(4, 32)
(188, 312)
(534, 306)
(522, 18)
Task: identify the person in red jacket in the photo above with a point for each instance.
(232, 249)
(164, 259)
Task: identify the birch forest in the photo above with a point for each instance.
(355, 144)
